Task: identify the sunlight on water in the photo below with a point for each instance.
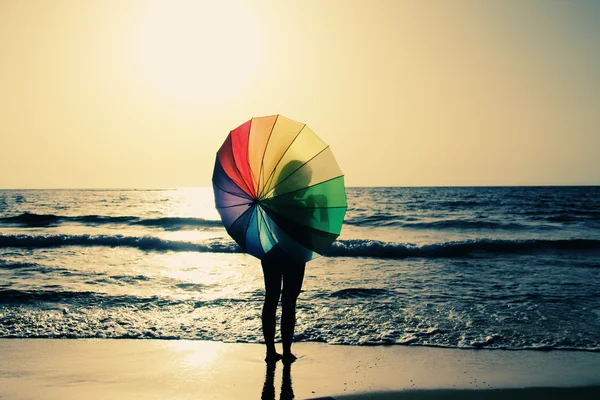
(195, 202)
(203, 274)
(190, 236)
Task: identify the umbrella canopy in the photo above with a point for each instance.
(277, 184)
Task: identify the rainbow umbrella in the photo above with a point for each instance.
(277, 184)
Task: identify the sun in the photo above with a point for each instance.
(197, 52)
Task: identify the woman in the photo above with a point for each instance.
(278, 269)
(283, 276)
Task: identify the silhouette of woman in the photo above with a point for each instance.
(279, 268)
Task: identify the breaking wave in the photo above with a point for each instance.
(374, 248)
(148, 243)
(447, 224)
(43, 220)
(340, 248)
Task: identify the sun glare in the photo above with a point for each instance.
(190, 355)
(198, 52)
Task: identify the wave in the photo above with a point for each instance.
(378, 219)
(378, 249)
(98, 219)
(170, 223)
(470, 224)
(32, 220)
(148, 243)
(18, 265)
(20, 297)
(88, 315)
(340, 248)
(178, 222)
(352, 293)
(463, 224)
(21, 269)
(459, 203)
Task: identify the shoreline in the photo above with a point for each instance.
(483, 348)
(585, 393)
(194, 369)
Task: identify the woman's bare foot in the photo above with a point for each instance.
(288, 358)
(273, 357)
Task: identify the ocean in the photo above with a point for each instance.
(462, 267)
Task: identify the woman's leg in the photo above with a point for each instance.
(272, 275)
(292, 284)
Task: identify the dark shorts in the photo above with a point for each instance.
(278, 268)
(277, 259)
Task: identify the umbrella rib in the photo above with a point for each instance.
(239, 205)
(301, 207)
(258, 219)
(284, 179)
(233, 194)
(248, 158)
(267, 224)
(262, 216)
(237, 169)
(233, 223)
(262, 162)
(248, 225)
(283, 155)
(304, 188)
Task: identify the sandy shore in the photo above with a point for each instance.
(152, 369)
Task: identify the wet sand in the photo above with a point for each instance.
(155, 369)
(491, 394)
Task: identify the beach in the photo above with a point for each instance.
(179, 369)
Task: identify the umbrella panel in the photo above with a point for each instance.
(225, 199)
(321, 207)
(319, 169)
(260, 130)
(304, 148)
(310, 238)
(282, 136)
(225, 183)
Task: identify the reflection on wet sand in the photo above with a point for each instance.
(268, 391)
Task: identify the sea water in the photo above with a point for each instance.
(467, 267)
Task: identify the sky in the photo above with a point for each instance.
(141, 94)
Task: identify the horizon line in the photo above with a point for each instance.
(349, 186)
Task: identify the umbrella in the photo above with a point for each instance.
(277, 184)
